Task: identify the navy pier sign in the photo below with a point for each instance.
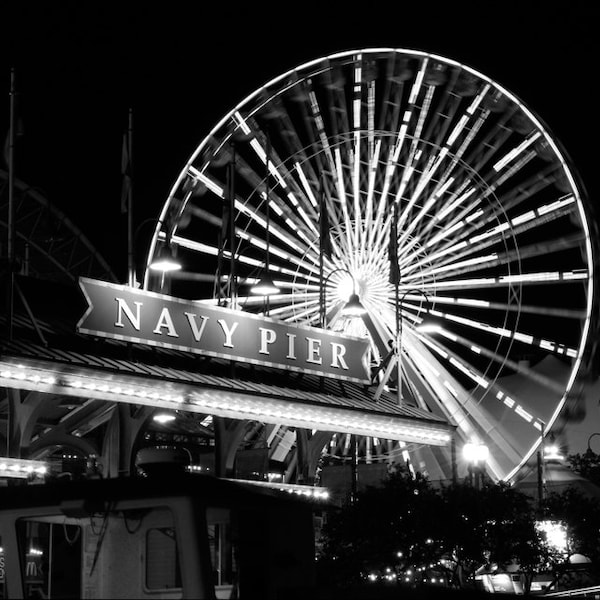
(124, 313)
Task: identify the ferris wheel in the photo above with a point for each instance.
(449, 208)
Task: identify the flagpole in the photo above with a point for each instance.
(11, 205)
(231, 199)
(130, 255)
(324, 249)
(322, 307)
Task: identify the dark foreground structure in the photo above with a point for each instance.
(164, 536)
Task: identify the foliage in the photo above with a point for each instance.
(496, 523)
(407, 524)
(581, 514)
(587, 465)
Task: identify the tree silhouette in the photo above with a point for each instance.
(413, 530)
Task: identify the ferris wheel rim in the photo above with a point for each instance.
(555, 146)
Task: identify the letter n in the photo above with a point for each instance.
(122, 307)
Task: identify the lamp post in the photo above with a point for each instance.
(476, 455)
(399, 301)
(353, 306)
(266, 286)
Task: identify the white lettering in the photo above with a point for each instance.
(165, 320)
(314, 351)
(123, 308)
(337, 358)
(196, 331)
(291, 346)
(228, 331)
(267, 336)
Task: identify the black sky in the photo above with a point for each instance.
(181, 66)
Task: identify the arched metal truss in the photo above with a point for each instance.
(48, 244)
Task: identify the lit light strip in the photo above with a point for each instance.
(417, 84)
(21, 468)
(507, 279)
(209, 183)
(305, 184)
(547, 208)
(444, 233)
(516, 151)
(454, 204)
(491, 232)
(244, 209)
(88, 383)
(319, 493)
(478, 260)
(211, 250)
(464, 119)
(268, 410)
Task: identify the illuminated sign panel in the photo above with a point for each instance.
(124, 313)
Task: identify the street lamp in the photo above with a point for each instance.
(589, 447)
(266, 286)
(352, 308)
(476, 455)
(165, 262)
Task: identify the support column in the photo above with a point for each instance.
(121, 437)
(229, 434)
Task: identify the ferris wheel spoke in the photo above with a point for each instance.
(479, 349)
(442, 389)
(501, 332)
(541, 310)
(518, 225)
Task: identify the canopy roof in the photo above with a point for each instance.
(46, 354)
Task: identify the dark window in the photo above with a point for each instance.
(162, 562)
(50, 559)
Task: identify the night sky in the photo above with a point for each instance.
(181, 66)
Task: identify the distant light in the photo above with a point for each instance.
(163, 418)
(552, 452)
(475, 452)
(556, 535)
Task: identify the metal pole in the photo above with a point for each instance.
(541, 470)
(399, 343)
(322, 299)
(11, 205)
(398, 304)
(267, 218)
(354, 468)
(453, 458)
(130, 249)
(231, 192)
